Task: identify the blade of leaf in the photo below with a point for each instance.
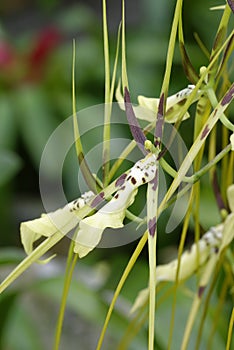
(227, 53)
(108, 109)
(88, 176)
(107, 113)
(187, 65)
(124, 64)
(220, 38)
(115, 64)
(119, 287)
(230, 330)
(71, 263)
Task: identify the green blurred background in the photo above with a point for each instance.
(35, 97)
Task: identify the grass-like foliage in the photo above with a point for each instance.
(200, 279)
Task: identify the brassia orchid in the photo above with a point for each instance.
(112, 214)
(89, 228)
(53, 226)
(88, 216)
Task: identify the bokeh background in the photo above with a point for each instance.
(35, 97)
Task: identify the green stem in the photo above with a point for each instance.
(107, 112)
(123, 278)
(71, 263)
(230, 330)
(89, 178)
(214, 101)
(196, 176)
(124, 64)
(30, 259)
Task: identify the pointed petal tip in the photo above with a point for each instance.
(135, 128)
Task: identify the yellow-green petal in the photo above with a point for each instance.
(62, 220)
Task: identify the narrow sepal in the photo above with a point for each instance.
(135, 128)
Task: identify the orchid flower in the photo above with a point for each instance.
(208, 248)
(90, 229)
(112, 214)
(147, 105)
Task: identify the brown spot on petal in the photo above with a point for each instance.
(205, 132)
(120, 180)
(97, 200)
(116, 196)
(154, 182)
(143, 180)
(152, 226)
(133, 180)
(182, 102)
(228, 97)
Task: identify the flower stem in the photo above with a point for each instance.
(71, 263)
(124, 276)
(30, 259)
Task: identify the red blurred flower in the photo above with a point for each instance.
(47, 40)
(17, 67)
(45, 43)
(7, 54)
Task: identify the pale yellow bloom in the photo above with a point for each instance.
(147, 108)
(90, 229)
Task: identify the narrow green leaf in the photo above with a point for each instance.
(219, 39)
(124, 64)
(88, 176)
(187, 65)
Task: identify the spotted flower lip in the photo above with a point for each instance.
(62, 220)
(90, 229)
(148, 106)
